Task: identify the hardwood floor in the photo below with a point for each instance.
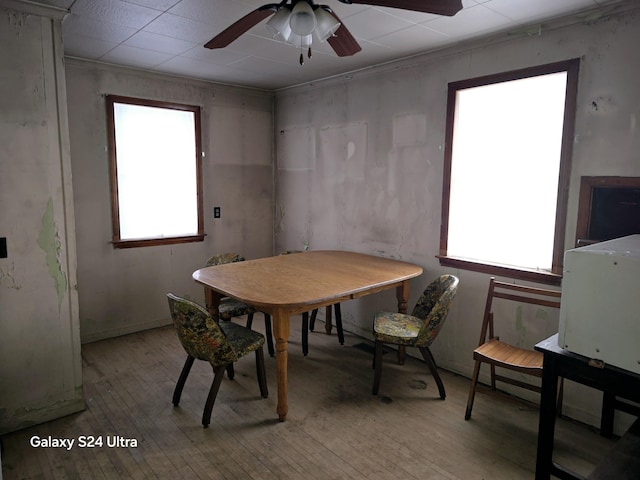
(335, 428)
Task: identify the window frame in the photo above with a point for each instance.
(554, 277)
(588, 186)
(116, 240)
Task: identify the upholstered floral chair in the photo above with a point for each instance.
(220, 344)
(230, 308)
(419, 329)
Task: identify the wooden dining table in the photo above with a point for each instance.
(286, 285)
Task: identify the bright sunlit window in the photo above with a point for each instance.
(507, 162)
(155, 172)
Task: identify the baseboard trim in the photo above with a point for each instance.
(90, 337)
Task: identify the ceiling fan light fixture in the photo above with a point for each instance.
(326, 24)
(278, 24)
(300, 41)
(302, 19)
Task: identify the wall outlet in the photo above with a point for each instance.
(3, 247)
(216, 212)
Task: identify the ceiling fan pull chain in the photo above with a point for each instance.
(309, 52)
(301, 58)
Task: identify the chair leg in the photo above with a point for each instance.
(182, 379)
(312, 321)
(268, 334)
(267, 331)
(431, 363)
(262, 376)
(336, 307)
(377, 362)
(249, 320)
(305, 333)
(213, 392)
(472, 389)
(493, 377)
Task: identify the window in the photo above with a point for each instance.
(155, 174)
(506, 174)
(608, 208)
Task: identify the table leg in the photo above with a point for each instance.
(328, 323)
(402, 294)
(212, 302)
(547, 422)
(281, 327)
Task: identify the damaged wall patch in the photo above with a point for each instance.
(49, 242)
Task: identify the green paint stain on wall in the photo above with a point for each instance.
(49, 242)
(519, 324)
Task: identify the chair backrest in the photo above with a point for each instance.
(517, 293)
(223, 258)
(433, 307)
(200, 336)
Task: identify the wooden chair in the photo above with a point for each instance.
(308, 324)
(220, 344)
(419, 329)
(500, 354)
(230, 307)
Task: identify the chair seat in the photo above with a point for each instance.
(498, 353)
(396, 328)
(230, 308)
(243, 339)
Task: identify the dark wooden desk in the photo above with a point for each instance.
(613, 381)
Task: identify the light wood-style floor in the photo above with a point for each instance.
(335, 428)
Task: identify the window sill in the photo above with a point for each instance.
(536, 276)
(151, 242)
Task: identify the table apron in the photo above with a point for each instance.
(297, 309)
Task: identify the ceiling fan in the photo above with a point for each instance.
(294, 22)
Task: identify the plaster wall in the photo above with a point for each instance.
(360, 165)
(123, 290)
(40, 368)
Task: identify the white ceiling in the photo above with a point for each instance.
(168, 35)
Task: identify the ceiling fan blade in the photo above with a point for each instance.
(438, 7)
(342, 41)
(232, 32)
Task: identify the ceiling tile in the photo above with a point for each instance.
(182, 28)
(133, 56)
(85, 47)
(221, 13)
(475, 20)
(530, 11)
(413, 39)
(413, 17)
(372, 23)
(116, 12)
(159, 43)
(162, 5)
(221, 56)
(76, 26)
